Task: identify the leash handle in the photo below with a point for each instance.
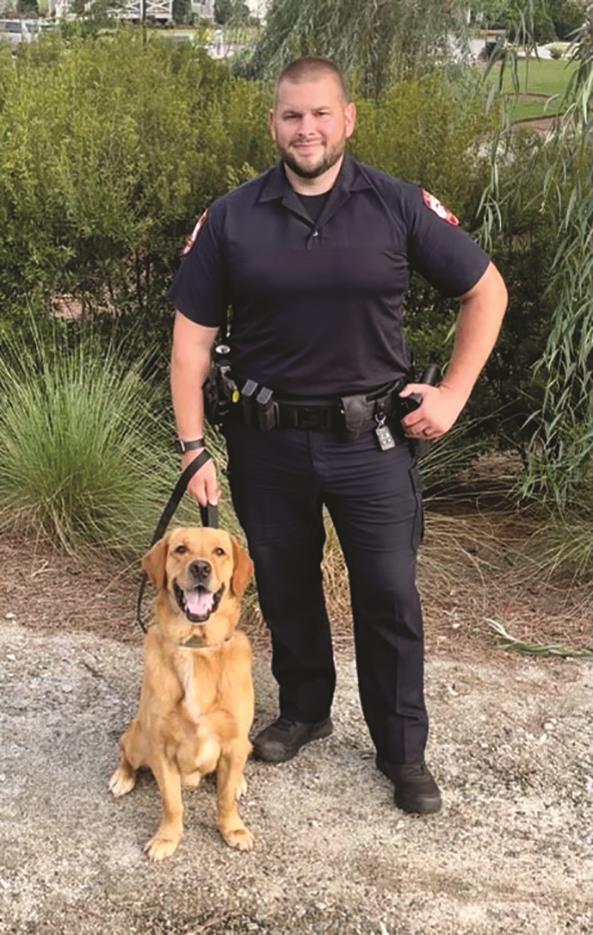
(208, 515)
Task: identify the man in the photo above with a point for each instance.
(314, 257)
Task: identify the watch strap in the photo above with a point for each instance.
(190, 445)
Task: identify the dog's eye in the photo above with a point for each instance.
(181, 550)
(219, 551)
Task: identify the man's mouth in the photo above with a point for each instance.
(308, 146)
(198, 603)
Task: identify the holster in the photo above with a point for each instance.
(219, 390)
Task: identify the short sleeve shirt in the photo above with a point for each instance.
(317, 307)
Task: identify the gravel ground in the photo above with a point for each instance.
(510, 852)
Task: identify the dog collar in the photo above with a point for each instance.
(196, 643)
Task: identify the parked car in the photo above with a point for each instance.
(15, 31)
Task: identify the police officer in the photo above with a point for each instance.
(314, 257)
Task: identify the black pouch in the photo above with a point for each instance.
(357, 412)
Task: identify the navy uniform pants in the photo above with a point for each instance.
(279, 482)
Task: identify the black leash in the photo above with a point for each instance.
(208, 515)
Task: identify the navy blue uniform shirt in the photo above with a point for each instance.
(317, 307)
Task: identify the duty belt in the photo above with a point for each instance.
(352, 414)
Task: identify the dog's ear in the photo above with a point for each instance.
(242, 571)
(154, 563)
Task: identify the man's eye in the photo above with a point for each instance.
(219, 551)
(181, 550)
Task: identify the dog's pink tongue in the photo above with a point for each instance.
(199, 602)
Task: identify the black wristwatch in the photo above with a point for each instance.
(189, 445)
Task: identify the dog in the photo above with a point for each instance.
(197, 703)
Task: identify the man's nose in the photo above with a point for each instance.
(307, 124)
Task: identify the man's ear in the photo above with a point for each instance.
(154, 563)
(242, 571)
(350, 119)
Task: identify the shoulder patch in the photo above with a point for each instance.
(435, 205)
(191, 239)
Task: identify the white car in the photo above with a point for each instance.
(15, 31)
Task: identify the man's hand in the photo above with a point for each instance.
(439, 410)
(478, 323)
(204, 485)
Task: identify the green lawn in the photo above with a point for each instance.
(548, 78)
(539, 76)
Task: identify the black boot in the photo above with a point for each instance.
(415, 788)
(283, 739)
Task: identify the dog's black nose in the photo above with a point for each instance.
(200, 570)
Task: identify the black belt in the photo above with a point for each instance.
(319, 417)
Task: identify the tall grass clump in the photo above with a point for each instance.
(84, 443)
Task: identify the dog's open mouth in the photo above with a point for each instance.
(199, 603)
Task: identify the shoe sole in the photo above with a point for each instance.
(428, 807)
(324, 731)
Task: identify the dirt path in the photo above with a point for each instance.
(510, 853)
(510, 744)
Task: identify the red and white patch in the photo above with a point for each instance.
(435, 205)
(190, 241)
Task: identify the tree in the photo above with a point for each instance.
(27, 8)
(377, 41)
(560, 448)
(222, 11)
(182, 11)
(231, 11)
(568, 16)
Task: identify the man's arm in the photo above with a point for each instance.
(190, 365)
(478, 324)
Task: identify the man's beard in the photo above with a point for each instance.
(329, 160)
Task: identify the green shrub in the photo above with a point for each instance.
(109, 149)
(430, 130)
(85, 445)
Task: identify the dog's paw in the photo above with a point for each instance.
(240, 838)
(191, 780)
(122, 781)
(158, 848)
(241, 789)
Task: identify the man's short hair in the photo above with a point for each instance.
(309, 68)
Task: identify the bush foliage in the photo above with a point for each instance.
(110, 148)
